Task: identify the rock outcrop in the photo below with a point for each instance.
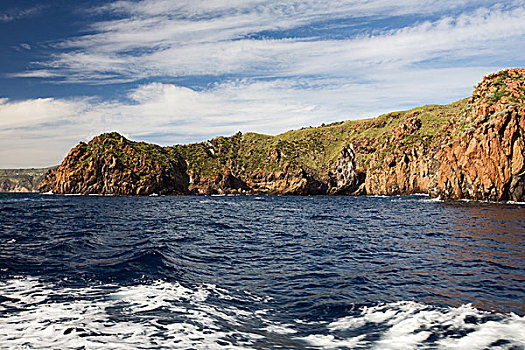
(397, 170)
(345, 179)
(112, 165)
(486, 160)
(473, 148)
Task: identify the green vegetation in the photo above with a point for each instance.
(317, 148)
(127, 152)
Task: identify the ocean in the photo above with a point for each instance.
(260, 272)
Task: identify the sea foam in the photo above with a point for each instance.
(169, 315)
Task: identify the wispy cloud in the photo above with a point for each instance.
(166, 38)
(41, 73)
(14, 14)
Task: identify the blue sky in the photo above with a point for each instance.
(177, 71)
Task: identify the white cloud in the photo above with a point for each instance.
(155, 44)
(37, 111)
(39, 132)
(42, 73)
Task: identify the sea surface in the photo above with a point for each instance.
(260, 272)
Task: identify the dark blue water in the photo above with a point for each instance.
(260, 272)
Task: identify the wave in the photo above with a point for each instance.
(169, 315)
(412, 325)
(158, 315)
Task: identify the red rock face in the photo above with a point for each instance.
(480, 154)
(404, 170)
(486, 160)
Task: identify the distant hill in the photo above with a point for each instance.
(21, 180)
(472, 148)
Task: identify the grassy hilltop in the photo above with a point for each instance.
(317, 148)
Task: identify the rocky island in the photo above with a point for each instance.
(470, 149)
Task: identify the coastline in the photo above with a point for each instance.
(426, 198)
(472, 149)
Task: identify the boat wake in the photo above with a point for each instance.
(161, 314)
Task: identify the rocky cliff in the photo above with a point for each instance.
(112, 165)
(472, 148)
(485, 161)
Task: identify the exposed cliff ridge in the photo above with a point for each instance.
(485, 161)
(472, 148)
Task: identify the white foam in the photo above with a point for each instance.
(466, 200)
(434, 200)
(87, 320)
(280, 329)
(169, 315)
(330, 342)
(410, 324)
(517, 203)
(511, 329)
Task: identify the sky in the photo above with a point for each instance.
(179, 71)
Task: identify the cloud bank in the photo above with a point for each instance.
(39, 132)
